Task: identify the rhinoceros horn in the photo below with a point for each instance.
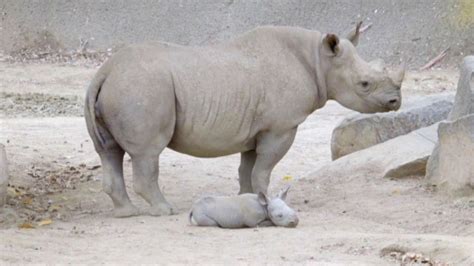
(354, 35)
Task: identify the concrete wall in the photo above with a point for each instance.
(408, 30)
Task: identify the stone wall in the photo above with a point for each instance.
(414, 31)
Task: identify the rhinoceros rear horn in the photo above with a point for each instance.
(354, 35)
(331, 44)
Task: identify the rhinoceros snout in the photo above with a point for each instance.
(293, 223)
(393, 104)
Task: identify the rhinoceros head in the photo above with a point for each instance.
(278, 211)
(366, 87)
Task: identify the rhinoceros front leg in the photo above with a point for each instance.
(247, 161)
(145, 182)
(271, 147)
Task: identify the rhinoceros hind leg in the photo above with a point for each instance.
(113, 183)
(145, 183)
(247, 161)
(201, 219)
(271, 147)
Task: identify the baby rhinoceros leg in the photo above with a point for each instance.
(198, 214)
(201, 219)
(266, 223)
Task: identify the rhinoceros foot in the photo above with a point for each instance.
(162, 209)
(126, 211)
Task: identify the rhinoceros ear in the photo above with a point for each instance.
(262, 199)
(331, 44)
(354, 35)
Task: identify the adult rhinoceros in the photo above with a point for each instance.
(247, 95)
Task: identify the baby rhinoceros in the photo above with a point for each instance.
(244, 210)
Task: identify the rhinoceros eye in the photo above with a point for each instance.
(364, 84)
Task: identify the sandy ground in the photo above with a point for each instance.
(55, 189)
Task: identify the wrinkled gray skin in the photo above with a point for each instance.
(244, 210)
(247, 96)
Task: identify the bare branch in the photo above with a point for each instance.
(365, 28)
(435, 60)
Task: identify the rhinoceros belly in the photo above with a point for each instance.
(216, 124)
(218, 94)
(227, 134)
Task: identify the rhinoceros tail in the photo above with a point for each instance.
(191, 218)
(90, 111)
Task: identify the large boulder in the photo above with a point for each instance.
(3, 175)
(365, 130)
(412, 153)
(464, 100)
(449, 154)
(395, 158)
(453, 172)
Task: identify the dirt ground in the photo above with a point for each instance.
(57, 213)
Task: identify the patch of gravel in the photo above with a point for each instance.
(40, 105)
(403, 255)
(81, 57)
(44, 199)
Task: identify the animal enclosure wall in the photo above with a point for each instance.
(411, 31)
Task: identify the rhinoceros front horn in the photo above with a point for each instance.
(398, 75)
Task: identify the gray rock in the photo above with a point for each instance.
(445, 157)
(365, 130)
(411, 160)
(451, 167)
(464, 101)
(3, 175)
(395, 158)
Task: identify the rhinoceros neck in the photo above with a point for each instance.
(303, 44)
(320, 79)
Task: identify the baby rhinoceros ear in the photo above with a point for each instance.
(263, 199)
(283, 193)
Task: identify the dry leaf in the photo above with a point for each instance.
(13, 192)
(26, 226)
(94, 167)
(45, 222)
(54, 208)
(95, 190)
(27, 201)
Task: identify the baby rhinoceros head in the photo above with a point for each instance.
(278, 211)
